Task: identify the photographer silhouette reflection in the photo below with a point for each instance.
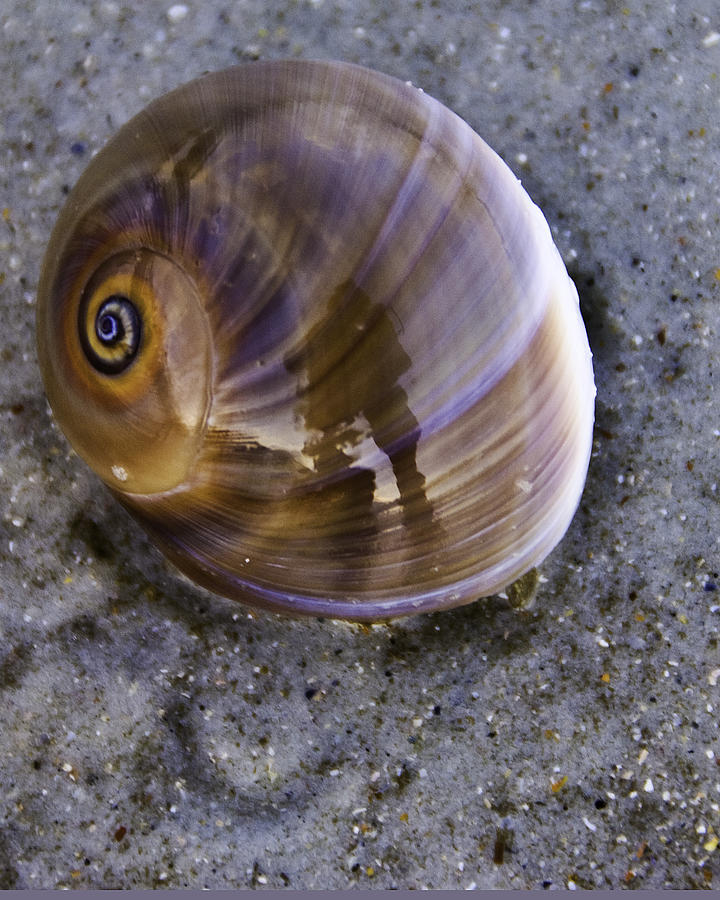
(350, 364)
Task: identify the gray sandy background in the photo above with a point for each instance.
(154, 735)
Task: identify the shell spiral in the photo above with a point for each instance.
(313, 334)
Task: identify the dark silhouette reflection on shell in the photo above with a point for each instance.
(313, 334)
(353, 361)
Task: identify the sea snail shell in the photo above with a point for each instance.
(314, 335)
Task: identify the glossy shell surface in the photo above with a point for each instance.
(313, 334)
